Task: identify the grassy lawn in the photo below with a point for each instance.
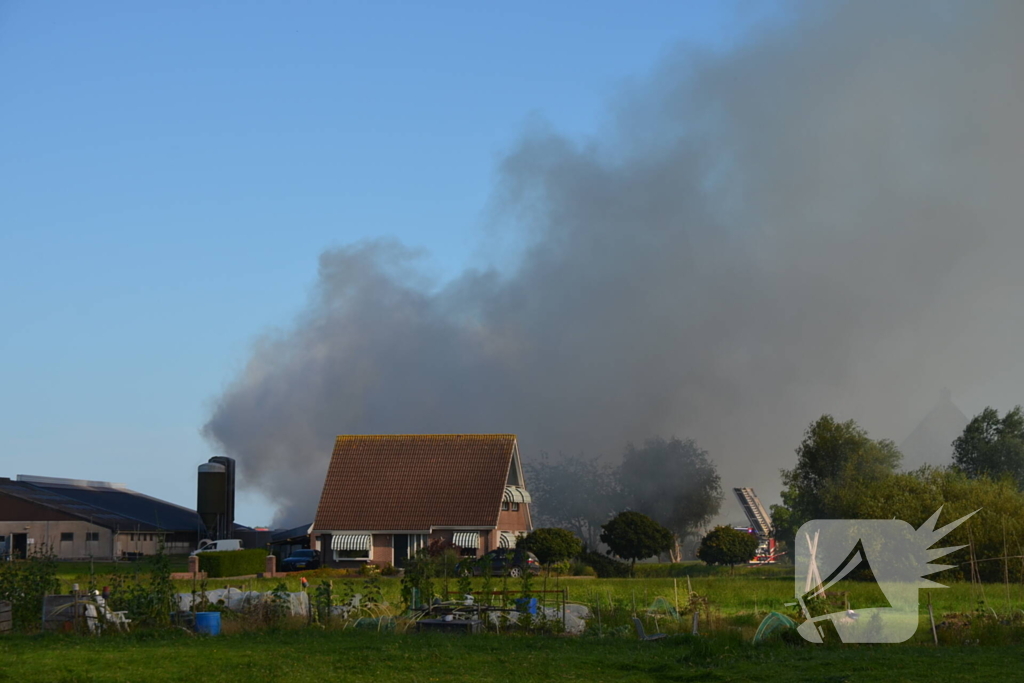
(751, 591)
(723, 653)
(354, 655)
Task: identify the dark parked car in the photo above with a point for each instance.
(301, 559)
(512, 561)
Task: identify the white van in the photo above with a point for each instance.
(208, 546)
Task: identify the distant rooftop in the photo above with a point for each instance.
(58, 481)
(109, 504)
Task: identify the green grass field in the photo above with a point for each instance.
(354, 655)
(981, 642)
(751, 591)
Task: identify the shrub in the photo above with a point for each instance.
(438, 547)
(551, 545)
(605, 567)
(23, 583)
(580, 569)
(725, 545)
(564, 567)
(233, 562)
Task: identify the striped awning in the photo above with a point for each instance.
(507, 540)
(467, 539)
(350, 542)
(515, 494)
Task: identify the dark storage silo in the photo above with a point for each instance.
(228, 530)
(211, 503)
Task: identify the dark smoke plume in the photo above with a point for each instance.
(826, 219)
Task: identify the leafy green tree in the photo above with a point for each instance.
(995, 532)
(673, 482)
(635, 536)
(837, 467)
(992, 446)
(725, 545)
(552, 545)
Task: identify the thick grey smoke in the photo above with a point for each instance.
(827, 219)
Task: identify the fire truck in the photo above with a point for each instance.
(760, 525)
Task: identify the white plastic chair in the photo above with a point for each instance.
(643, 636)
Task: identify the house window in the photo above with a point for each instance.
(515, 507)
(504, 505)
(92, 536)
(351, 554)
(416, 543)
(351, 546)
(67, 537)
(131, 537)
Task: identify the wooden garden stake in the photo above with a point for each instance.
(931, 618)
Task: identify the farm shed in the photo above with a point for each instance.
(78, 519)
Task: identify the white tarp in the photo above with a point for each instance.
(574, 625)
(235, 600)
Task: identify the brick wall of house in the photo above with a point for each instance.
(383, 551)
(509, 520)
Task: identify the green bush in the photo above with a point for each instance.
(551, 545)
(606, 567)
(724, 545)
(222, 563)
(23, 583)
(581, 569)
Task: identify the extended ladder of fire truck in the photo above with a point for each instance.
(760, 523)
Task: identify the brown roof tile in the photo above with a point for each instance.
(412, 482)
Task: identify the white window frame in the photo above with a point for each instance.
(416, 543)
(368, 557)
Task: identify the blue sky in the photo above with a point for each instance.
(170, 173)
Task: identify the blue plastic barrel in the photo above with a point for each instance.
(208, 623)
(528, 605)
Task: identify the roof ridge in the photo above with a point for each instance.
(65, 504)
(415, 481)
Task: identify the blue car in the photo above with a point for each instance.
(301, 560)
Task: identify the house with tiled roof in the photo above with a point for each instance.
(386, 496)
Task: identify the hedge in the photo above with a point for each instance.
(220, 563)
(663, 570)
(610, 568)
(605, 566)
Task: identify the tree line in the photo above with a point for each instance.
(671, 481)
(840, 473)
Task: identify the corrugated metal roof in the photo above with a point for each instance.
(159, 514)
(114, 508)
(69, 506)
(411, 482)
(284, 535)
